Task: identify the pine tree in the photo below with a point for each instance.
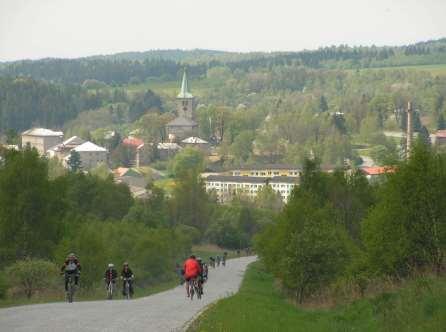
(323, 105)
(74, 162)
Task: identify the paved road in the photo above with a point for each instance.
(166, 311)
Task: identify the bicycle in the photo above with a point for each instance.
(110, 289)
(127, 294)
(70, 287)
(195, 287)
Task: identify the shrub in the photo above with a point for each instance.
(3, 286)
(31, 275)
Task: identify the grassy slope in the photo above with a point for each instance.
(421, 306)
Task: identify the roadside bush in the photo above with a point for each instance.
(3, 285)
(29, 276)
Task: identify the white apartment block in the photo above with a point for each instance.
(268, 170)
(226, 186)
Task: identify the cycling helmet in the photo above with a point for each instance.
(71, 255)
(111, 265)
(126, 264)
(199, 259)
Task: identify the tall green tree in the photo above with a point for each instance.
(29, 208)
(74, 161)
(406, 230)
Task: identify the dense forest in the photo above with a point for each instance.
(165, 65)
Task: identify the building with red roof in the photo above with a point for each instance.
(375, 172)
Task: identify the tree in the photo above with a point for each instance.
(323, 105)
(74, 161)
(12, 137)
(55, 168)
(186, 161)
(267, 198)
(30, 207)
(241, 148)
(406, 229)
(152, 211)
(31, 275)
(305, 249)
(143, 103)
(424, 135)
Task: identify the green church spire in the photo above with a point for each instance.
(184, 92)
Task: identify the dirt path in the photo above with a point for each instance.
(166, 311)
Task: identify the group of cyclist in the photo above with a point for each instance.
(196, 270)
(193, 270)
(217, 260)
(72, 268)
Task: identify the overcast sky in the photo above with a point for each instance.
(72, 28)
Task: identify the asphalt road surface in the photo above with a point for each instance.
(166, 311)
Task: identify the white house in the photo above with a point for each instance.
(195, 142)
(41, 139)
(91, 155)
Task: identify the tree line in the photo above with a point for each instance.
(167, 65)
(46, 214)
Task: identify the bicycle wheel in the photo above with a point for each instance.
(198, 291)
(127, 290)
(191, 290)
(110, 291)
(70, 291)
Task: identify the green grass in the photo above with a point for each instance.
(420, 306)
(94, 294)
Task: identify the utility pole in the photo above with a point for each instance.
(409, 132)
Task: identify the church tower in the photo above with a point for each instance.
(185, 100)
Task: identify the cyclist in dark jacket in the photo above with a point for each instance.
(110, 274)
(127, 274)
(71, 267)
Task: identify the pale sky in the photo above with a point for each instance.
(32, 29)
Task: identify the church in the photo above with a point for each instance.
(183, 125)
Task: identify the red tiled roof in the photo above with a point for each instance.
(377, 170)
(441, 134)
(120, 171)
(134, 142)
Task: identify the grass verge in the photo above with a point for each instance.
(95, 294)
(259, 306)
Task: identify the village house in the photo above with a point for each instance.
(375, 173)
(136, 181)
(62, 150)
(41, 139)
(91, 155)
(137, 145)
(168, 150)
(196, 142)
(440, 138)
